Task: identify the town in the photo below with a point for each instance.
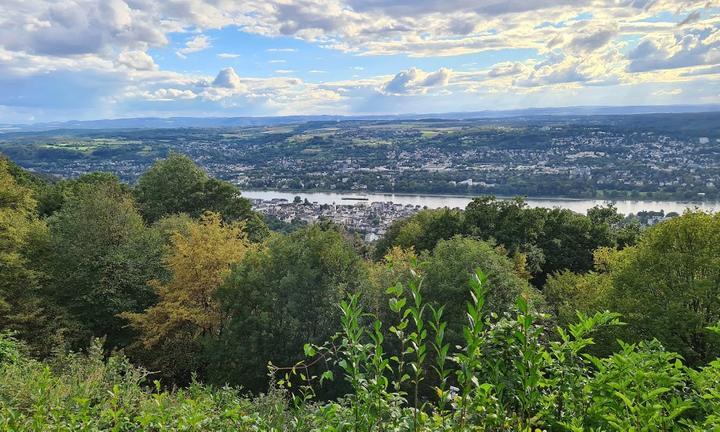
(371, 220)
(660, 156)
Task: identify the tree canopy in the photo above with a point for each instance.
(100, 259)
(170, 331)
(280, 296)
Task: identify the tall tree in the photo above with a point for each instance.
(22, 308)
(173, 185)
(283, 294)
(449, 268)
(668, 286)
(187, 310)
(177, 185)
(421, 231)
(53, 196)
(100, 260)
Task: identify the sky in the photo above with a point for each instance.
(92, 59)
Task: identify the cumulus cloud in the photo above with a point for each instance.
(559, 44)
(591, 39)
(169, 94)
(415, 80)
(598, 68)
(228, 78)
(695, 47)
(138, 60)
(692, 17)
(77, 27)
(198, 43)
(506, 69)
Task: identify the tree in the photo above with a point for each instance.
(568, 240)
(170, 332)
(53, 196)
(451, 265)
(100, 259)
(668, 285)
(398, 266)
(421, 231)
(177, 185)
(173, 185)
(22, 308)
(281, 295)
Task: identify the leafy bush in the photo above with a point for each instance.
(509, 373)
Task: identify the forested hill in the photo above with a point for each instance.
(170, 305)
(204, 122)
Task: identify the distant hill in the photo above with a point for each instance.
(211, 122)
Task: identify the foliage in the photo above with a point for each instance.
(510, 373)
(342, 343)
(21, 307)
(422, 231)
(52, 197)
(452, 263)
(100, 257)
(667, 286)
(177, 185)
(548, 240)
(280, 296)
(188, 311)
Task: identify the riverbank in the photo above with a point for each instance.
(579, 205)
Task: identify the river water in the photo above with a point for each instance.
(439, 201)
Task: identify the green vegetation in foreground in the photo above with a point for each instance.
(139, 309)
(512, 373)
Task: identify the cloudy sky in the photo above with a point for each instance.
(88, 59)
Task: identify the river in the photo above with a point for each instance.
(439, 201)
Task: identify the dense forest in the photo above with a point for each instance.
(171, 305)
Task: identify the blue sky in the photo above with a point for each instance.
(87, 59)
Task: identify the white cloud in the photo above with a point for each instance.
(415, 81)
(506, 69)
(198, 43)
(698, 46)
(138, 60)
(77, 27)
(667, 92)
(562, 44)
(169, 94)
(692, 17)
(590, 38)
(228, 78)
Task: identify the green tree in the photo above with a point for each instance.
(177, 185)
(281, 295)
(22, 308)
(421, 231)
(173, 185)
(101, 257)
(453, 262)
(53, 196)
(668, 285)
(568, 240)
